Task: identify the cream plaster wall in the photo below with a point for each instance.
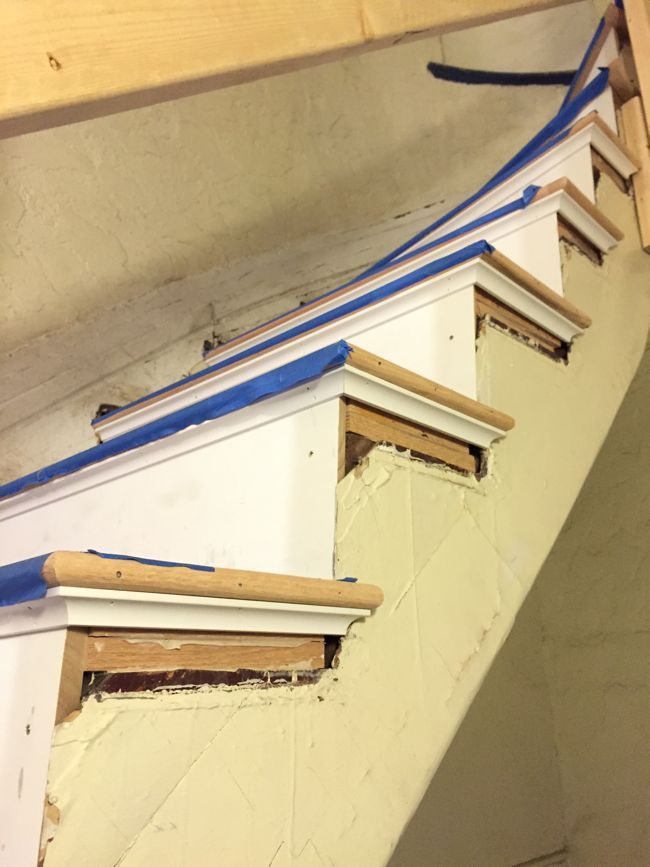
(496, 800)
(330, 774)
(595, 594)
(552, 756)
(125, 241)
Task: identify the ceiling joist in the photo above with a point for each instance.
(77, 59)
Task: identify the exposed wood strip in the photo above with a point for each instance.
(169, 651)
(70, 61)
(637, 13)
(379, 427)
(77, 569)
(540, 290)
(567, 186)
(634, 130)
(365, 361)
(615, 18)
(500, 313)
(72, 670)
(567, 232)
(602, 167)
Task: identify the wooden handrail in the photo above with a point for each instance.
(78, 569)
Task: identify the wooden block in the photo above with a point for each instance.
(634, 131)
(72, 671)
(365, 361)
(115, 650)
(602, 167)
(78, 569)
(621, 79)
(379, 427)
(487, 306)
(567, 232)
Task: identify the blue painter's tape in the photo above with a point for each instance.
(517, 205)
(463, 75)
(348, 580)
(369, 298)
(266, 385)
(22, 581)
(149, 562)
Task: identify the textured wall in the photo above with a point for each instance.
(317, 775)
(496, 799)
(595, 590)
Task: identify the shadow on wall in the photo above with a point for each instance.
(551, 761)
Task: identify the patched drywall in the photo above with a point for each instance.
(126, 241)
(317, 775)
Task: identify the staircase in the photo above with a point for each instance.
(425, 428)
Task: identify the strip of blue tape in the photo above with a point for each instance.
(261, 387)
(148, 562)
(463, 75)
(22, 581)
(370, 297)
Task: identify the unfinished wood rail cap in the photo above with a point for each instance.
(567, 186)
(540, 290)
(93, 571)
(366, 362)
(594, 118)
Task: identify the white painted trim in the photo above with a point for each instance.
(608, 149)
(398, 401)
(122, 609)
(438, 286)
(511, 293)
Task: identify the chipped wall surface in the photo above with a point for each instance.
(330, 773)
(126, 241)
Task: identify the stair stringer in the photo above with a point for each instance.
(329, 771)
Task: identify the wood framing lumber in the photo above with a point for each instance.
(500, 313)
(365, 361)
(118, 650)
(567, 232)
(621, 80)
(636, 136)
(78, 569)
(602, 167)
(637, 14)
(72, 669)
(69, 61)
(380, 427)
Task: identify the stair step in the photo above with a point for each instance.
(204, 477)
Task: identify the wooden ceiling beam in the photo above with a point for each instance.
(76, 59)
